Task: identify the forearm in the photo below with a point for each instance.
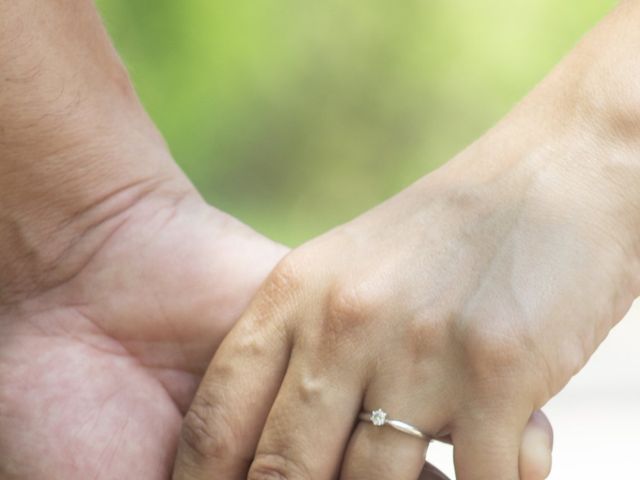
(572, 146)
(79, 154)
(77, 148)
(71, 124)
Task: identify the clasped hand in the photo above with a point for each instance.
(435, 306)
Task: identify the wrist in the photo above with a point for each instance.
(49, 234)
(554, 167)
(78, 150)
(575, 139)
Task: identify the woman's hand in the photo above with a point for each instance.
(460, 306)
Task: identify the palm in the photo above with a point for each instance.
(83, 413)
(97, 373)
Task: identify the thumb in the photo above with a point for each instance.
(535, 451)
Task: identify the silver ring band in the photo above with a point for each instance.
(379, 419)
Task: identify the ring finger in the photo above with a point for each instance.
(381, 451)
(309, 424)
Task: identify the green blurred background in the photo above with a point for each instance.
(296, 115)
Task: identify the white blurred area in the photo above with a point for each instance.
(596, 418)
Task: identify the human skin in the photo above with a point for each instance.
(460, 305)
(117, 281)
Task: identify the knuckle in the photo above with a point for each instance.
(490, 348)
(252, 342)
(348, 306)
(311, 390)
(286, 276)
(276, 467)
(283, 282)
(425, 336)
(205, 433)
(277, 296)
(554, 373)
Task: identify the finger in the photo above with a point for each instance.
(538, 420)
(487, 446)
(310, 422)
(381, 452)
(429, 472)
(536, 448)
(223, 425)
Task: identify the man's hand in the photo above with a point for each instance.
(117, 282)
(97, 372)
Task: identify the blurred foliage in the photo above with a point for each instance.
(296, 116)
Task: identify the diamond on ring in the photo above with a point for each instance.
(378, 417)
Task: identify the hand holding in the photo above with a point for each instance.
(459, 306)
